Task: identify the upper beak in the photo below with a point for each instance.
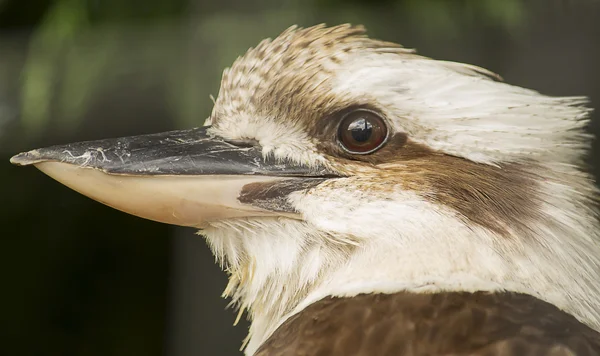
(181, 177)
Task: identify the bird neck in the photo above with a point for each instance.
(278, 267)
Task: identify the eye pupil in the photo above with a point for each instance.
(362, 132)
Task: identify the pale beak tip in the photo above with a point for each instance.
(27, 158)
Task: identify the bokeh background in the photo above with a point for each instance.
(79, 278)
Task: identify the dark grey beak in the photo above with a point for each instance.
(181, 177)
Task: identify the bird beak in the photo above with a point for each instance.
(182, 177)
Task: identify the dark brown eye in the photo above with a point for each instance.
(362, 132)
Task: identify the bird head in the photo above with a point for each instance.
(333, 164)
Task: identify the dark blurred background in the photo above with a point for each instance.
(83, 279)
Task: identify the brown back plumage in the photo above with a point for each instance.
(452, 323)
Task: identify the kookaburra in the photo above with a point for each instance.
(366, 200)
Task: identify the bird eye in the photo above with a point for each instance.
(362, 132)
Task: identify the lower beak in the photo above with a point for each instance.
(183, 177)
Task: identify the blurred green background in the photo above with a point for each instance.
(83, 279)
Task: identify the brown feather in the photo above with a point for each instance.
(453, 323)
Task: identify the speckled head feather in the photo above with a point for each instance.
(289, 77)
(279, 74)
(479, 186)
